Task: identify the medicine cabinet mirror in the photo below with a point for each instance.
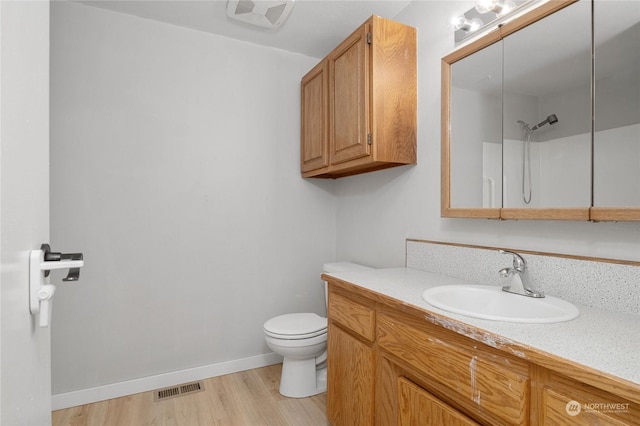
(539, 122)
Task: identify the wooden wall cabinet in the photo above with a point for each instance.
(315, 119)
(358, 106)
(389, 365)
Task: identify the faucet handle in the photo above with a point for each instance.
(505, 272)
(518, 261)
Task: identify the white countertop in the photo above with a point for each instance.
(598, 339)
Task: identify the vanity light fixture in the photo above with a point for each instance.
(466, 25)
(499, 7)
(486, 14)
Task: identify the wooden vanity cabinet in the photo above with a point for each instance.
(359, 104)
(417, 407)
(392, 364)
(351, 379)
(467, 379)
(563, 398)
(350, 361)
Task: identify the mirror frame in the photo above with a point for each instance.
(592, 213)
(445, 204)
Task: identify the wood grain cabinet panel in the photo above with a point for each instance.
(372, 103)
(498, 384)
(417, 407)
(314, 129)
(350, 379)
(568, 402)
(353, 316)
(349, 98)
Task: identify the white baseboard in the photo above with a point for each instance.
(130, 387)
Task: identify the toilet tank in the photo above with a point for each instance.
(339, 267)
(342, 267)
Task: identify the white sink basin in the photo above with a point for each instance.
(489, 302)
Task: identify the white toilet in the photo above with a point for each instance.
(302, 340)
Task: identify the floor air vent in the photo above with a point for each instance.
(174, 391)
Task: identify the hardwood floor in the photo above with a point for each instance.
(247, 398)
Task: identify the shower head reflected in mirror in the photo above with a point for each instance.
(526, 155)
(552, 119)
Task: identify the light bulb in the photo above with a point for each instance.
(499, 7)
(464, 24)
(485, 6)
(458, 22)
(508, 7)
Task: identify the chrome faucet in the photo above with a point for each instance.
(520, 277)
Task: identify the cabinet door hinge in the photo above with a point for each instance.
(369, 142)
(369, 38)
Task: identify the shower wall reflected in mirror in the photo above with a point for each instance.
(547, 71)
(617, 104)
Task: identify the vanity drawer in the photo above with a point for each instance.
(352, 315)
(492, 382)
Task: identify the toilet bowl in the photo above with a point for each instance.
(301, 339)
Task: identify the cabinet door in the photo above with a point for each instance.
(350, 370)
(349, 98)
(418, 407)
(314, 121)
(569, 402)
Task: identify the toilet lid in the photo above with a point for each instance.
(307, 325)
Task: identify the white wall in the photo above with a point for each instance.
(377, 211)
(560, 173)
(618, 166)
(175, 169)
(478, 124)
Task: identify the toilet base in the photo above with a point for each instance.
(300, 378)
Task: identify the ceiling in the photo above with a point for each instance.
(314, 27)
